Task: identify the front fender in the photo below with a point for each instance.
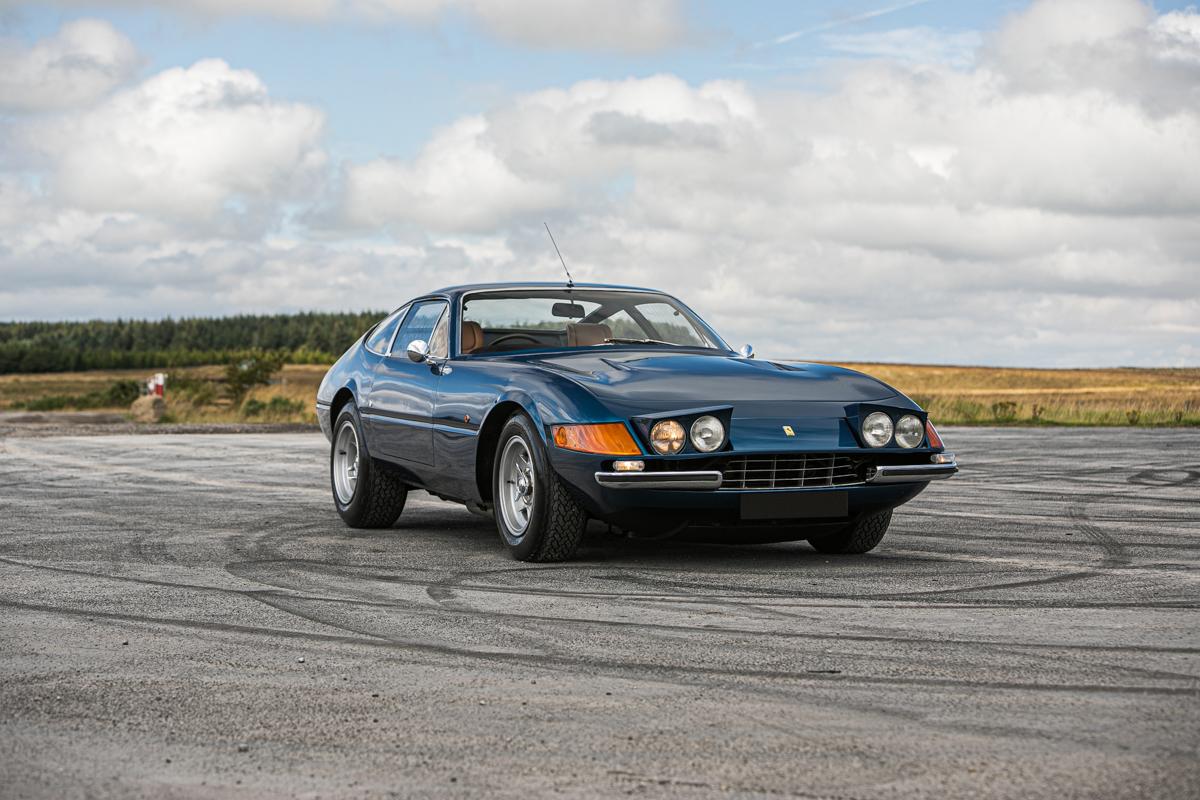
(504, 403)
(550, 399)
(547, 400)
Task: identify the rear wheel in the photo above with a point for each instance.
(536, 516)
(861, 537)
(367, 493)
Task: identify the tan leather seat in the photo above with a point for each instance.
(585, 334)
(472, 337)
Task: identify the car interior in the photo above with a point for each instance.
(575, 334)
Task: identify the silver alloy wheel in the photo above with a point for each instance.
(517, 486)
(345, 462)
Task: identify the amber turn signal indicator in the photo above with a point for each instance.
(605, 439)
(931, 432)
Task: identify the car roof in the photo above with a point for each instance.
(477, 287)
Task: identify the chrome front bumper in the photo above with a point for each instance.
(694, 481)
(911, 473)
(709, 480)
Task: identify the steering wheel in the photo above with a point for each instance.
(508, 336)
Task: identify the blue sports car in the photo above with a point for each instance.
(546, 405)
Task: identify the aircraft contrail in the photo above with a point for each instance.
(837, 23)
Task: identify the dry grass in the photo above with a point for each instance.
(22, 388)
(952, 395)
(990, 395)
(194, 394)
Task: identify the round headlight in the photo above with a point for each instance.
(666, 437)
(877, 429)
(909, 431)
(708, 434)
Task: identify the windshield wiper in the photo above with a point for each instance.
(623, 340)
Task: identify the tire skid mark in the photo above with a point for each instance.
(1061, 578)
(1130, 668)
(156, 480)
(1152, 477)
(748, 599)
(441, 589)
(611, 665)
(1115, 553)
(778, 609)
(801, 635)
(293, 605)
(1182, 546)
(866, 706)
(284, 591)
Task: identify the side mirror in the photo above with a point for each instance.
(418, 350)
(746, 351)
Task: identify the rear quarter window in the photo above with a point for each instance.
(381, 336)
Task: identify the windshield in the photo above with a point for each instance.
(525, 319)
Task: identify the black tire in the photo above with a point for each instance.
(378, 494)
(861, 537)
(556, 522)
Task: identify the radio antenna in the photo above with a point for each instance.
(570, 280)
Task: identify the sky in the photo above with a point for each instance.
(934, 181)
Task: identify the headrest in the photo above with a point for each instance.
(585, 334)
(472, 337)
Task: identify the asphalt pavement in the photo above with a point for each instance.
(186, 616)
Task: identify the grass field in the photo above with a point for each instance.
(952, 395)
(194, 394)
(992, 395)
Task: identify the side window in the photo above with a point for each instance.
(419, 324)
(381, 337)
(439, 340)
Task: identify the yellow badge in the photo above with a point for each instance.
(787, 429)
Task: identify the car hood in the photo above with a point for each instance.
(653, 379)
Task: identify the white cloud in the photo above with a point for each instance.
(547, 150)
(459, 182)
(619, 25)
(1113, 46)
(82, 62)
(197, 144)
(1177, 36)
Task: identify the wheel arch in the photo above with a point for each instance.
(340, 399)
(489, 437)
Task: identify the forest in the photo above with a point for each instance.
(306, 338)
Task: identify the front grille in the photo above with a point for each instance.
(792, 471)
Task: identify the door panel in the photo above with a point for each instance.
(401, 410)
(464, 397)
(404, 392)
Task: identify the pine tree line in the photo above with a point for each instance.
(307, 338)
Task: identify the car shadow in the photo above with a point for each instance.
(604, 546)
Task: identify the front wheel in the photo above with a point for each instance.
(861, 537)
(536, 516)
(366, 492)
